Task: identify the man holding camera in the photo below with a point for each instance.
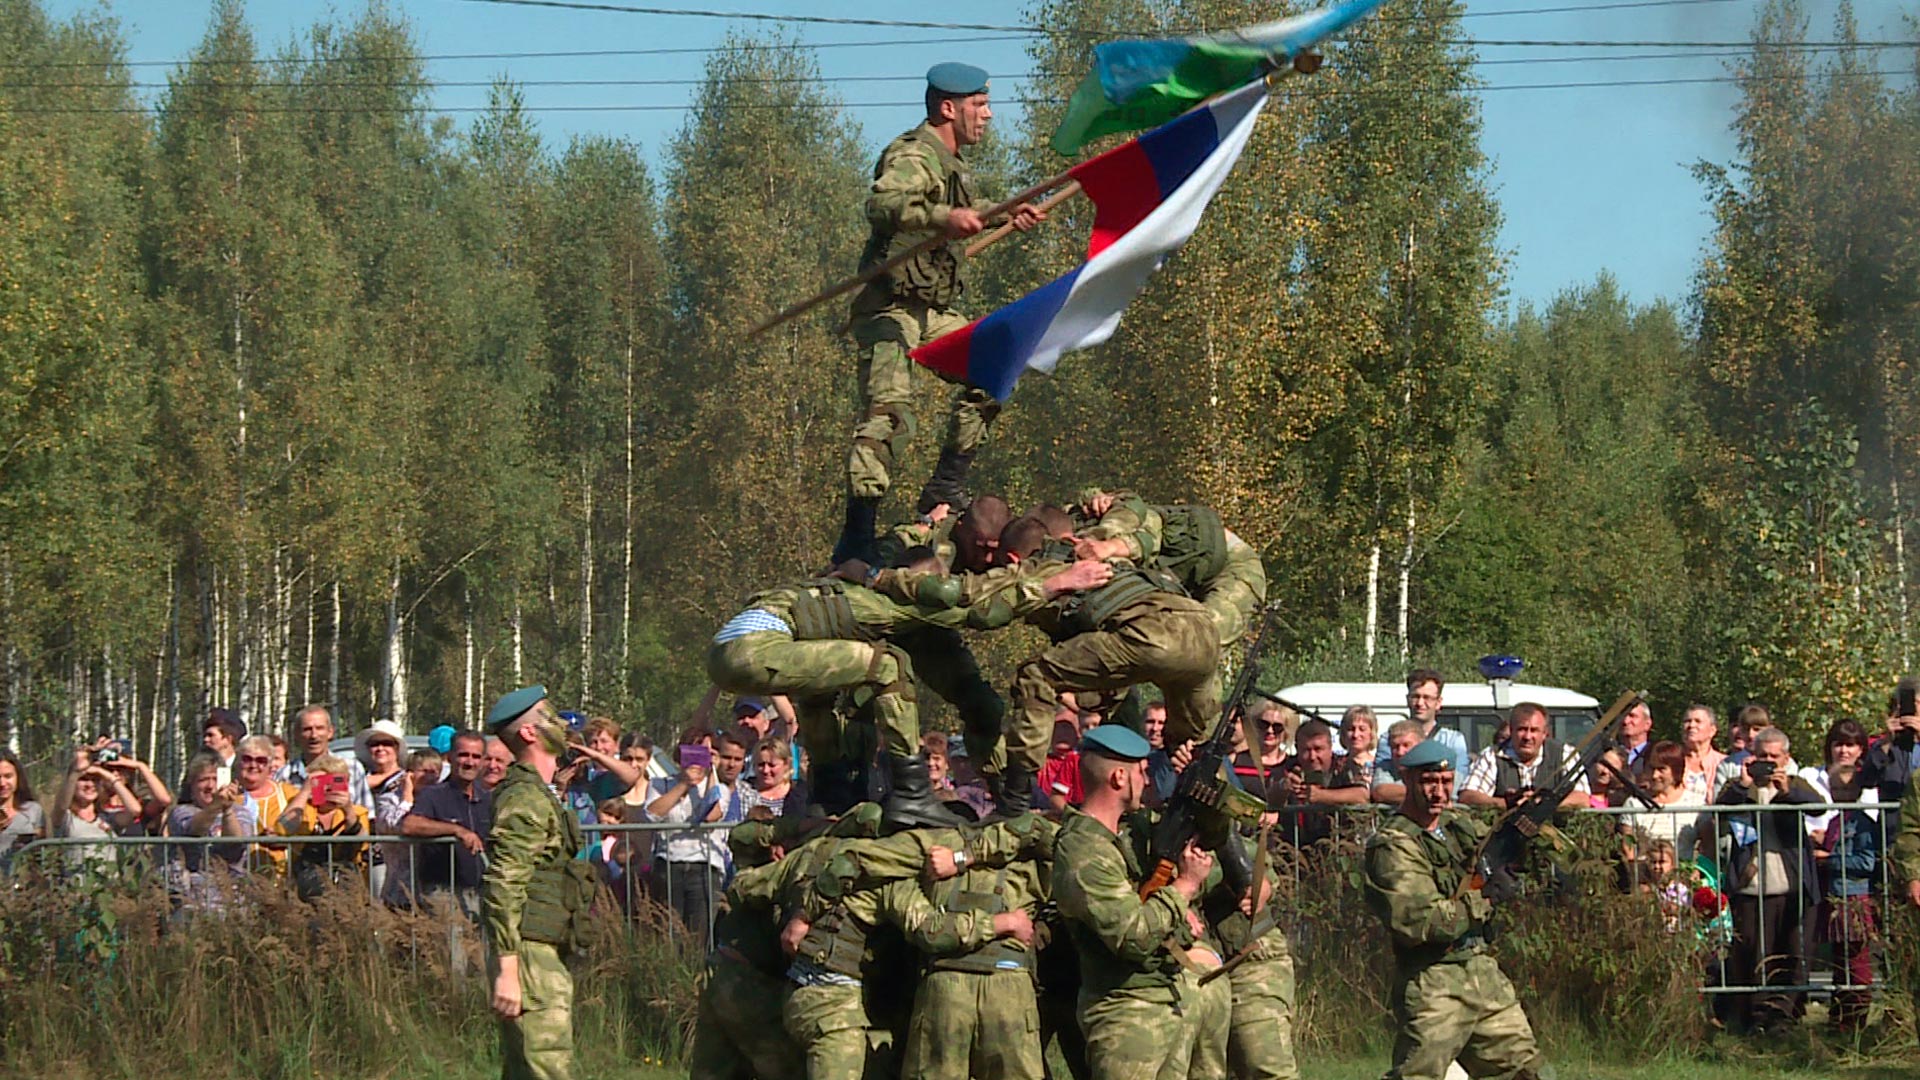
(1770, 879)
(534, 895)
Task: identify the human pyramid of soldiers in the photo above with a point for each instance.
(902, 937)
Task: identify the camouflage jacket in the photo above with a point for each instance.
(1122, 941)
(917, 183)
(1411, 878)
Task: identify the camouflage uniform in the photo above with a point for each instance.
(1139, 1008)
(1214, 565)
(1450, 1000)
(1905, 856)
(529, 848)
(1260, 1031)
(916, 184)
(816, 639)
(940, 655)
(1152, 634)
(974, 1014)
(746, 980)
(835, 1011)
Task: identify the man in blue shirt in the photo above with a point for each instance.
(1423, 705)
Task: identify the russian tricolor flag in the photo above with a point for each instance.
(1148, 195)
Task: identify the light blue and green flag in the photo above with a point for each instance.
(1141, 84)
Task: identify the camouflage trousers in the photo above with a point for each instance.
(1149, 1033)
(1212, 1030)
(733, 1038)
(1465, 1011)
(1164, 639)
(1235, 594)
(974, 1026)
(947, 666)
(886, 392)
(1260, 1035)
(829, 1024)
(538, 1044)
(813, 673)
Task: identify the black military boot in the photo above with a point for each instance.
(1014, 796)
(948, 484)
(859, 532)
(911, 805)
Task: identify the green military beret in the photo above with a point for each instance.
(1428, 754)
(510, 708)
(1111, 741)
(956, 80)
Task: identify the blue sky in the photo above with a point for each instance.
(1589, 179)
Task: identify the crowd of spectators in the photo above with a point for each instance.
(1772, 891)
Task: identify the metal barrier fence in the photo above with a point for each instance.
(648, 867)
(1810, 887)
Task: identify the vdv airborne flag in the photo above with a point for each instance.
(1137, 84)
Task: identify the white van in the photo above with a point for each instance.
(1467, 707)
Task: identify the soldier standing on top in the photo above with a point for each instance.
(921, 188)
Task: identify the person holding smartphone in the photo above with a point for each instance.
(688, 867)
(324, 806)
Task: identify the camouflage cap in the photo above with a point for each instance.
(956, 79)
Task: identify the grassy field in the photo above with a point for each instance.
(1372, 1068)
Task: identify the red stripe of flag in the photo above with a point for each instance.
(1124, 191)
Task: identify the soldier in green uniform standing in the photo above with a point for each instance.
(1140, 1008)
(1450, 999)
(812, 640)
(848, 953)
(534, 894)
(921, 188)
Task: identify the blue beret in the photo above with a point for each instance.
(1114, 741)
(508, 709)
(959, 80)
(1428, 754)
(441, 739)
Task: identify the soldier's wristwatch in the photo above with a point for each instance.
(961, 859)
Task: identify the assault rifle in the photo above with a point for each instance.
(1502, 850)
(1206, 803)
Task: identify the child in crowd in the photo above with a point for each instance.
(1060, 775)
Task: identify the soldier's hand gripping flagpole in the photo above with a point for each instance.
(1006, 206)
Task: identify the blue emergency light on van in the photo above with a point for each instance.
(1501, 666)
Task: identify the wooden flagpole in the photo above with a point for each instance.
(987, 240)
(921, 248)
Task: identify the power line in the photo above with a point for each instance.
(703, 50)
(846, 20)
(911, 77)
(1398, 91)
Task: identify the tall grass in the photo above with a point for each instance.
(110, 977)
(115, 979)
